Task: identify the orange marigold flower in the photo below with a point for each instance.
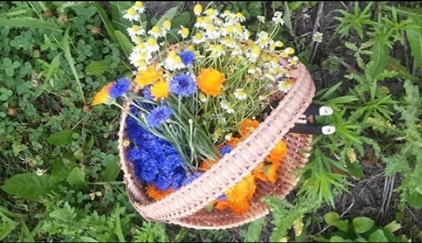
(272, 172)
(156, 194)
(160, 90)
(247, 126)
(206, 164)
(222, 204)
(258, 172)
(278, 153)
(149, 76)
(233, 142)
(239, 207)
(250, 179)
(102, 96)
(210, 81)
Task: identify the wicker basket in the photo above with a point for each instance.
(186, 206)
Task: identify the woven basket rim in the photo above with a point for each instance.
(222, 176)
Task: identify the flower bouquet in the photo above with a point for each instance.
(201, 140)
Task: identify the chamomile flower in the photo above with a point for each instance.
(240, 17)
(202, 97)
(200, 22)
(167, 25)
(212, 32)
(141, 47)
(216, 51)
(197, 9)
(254, 53)
(198, 38)
(131, 15)
(184, 32)
(227, 41)
(137, 39)
(293, 61)
(240, 94)
(277, 18)
(173, 62)
(227, 30)
(276, 44)
(135, 30)
(317, 37)
(261, 19)
(286, 52)
(212, 13)
(263, 39)
(227, 106)
(139, 7)
(285, 85)
(157, 32)
(152, 45)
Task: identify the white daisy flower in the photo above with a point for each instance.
(240, 17)
(224, 104)
(261, 19)
(227, 41)
(240, 94)
(198, 38)
(157, 32)
(135, 30)
(151, 44)
(184, 32)
(277, 18)
(317, 37)
(197, 9)
(212, 32)
(131, 15)
(293, 61)
(216, 51)
(212, 13)
(284, 86)
(139, 7)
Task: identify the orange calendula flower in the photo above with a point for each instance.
(156, 194)
(278, 153)
(160, 90)
(102, 96)
(149, 76)
(248, 126)
(233, 142)
(272, 172)
(258, 172)
(210, 81)
(206, 164)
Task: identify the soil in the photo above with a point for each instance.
(373, 195)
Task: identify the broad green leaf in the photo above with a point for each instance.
(28, 185)
(362, 224)
(169, 15)
(395, 65)
(414, 199)
(378, 60)
(61, 169)
(111, 170)
(255, 229)
(61, 138)
(331, 218)
(76, 177)
(378, 236)
(109, 27)
(124, 42)
(28, 22)
(342, 225)
(415, 41)
(392, 227)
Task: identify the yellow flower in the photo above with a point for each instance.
(149, 76)
(197, 9)
(210, 81)
(184, 32)
(288, 51)
(160, 90)
(102, 96)
(167, 25)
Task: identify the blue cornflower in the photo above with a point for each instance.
(191, 178)
(183, 85)
(225, 150)
(147, 93)
(119, 88)
(158, 115)
(187, 57)
(222, 197)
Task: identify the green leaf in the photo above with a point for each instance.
(339, 239)
(88, 146)
(109, 27)
(124, 42)
(343, 99)
(169, 15)
(395, 65)
(255, 229)
(61, 169)
(76, 177)
(415, 41)
(378, 60)
(362, 224)
(87, 239)
(410, 12)
(392, 227)
(111, 170)
(61, 138)
(414, 199)
(342, 225)
(331, 218)
(118, 227)
(27, 22)
(7, 226)
(5, 94)
(28, 185)
(287, 19)
(378, 236)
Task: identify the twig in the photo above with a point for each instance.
(314, 45)
(347, 210)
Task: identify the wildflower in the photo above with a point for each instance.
(156, 32)
(119, 88)
(202, 97)
(216, 51)
(135, 30)
(183, 85)
(240, 94)
(160, 90)
(261, 19)
(40, 172)
(286, 52)
(167, 25)
(210, 81)
(225, 150)
(212, 13)
(184, 32)
(131, 15)
(248, 126)
(158, 115)
(152, 45)
(156, 194)
(198, 38)
(277, 18)
(173, 61)
(139, 6)
(187, 57)
(212, 32)
(103, 97)
(148, 76)
(240, 17)
(278, 153)
(317, 37)
(285, 85)
(254, 53)
(293, 61)
(263, 39)
(197, 9)
(191, 178)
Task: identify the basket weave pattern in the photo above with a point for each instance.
(186, 206)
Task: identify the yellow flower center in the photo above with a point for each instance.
(185, 32)
(131, 11)
(155, 29)
(177, 60)
(135, 28)
(139, 4)
(167, 24)
(197, 9)
(210, 11)
(151, 41)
